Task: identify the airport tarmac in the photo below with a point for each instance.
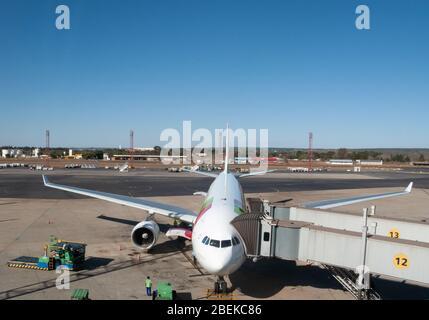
(30, 213)
(22, 183)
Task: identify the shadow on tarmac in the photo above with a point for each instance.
(399, 290)
(92, 263)
(267, 277)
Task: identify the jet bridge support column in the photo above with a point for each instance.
(363, 281)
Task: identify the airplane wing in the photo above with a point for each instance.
(148, 205)
(327, 204)
(203, 173)
(255, 173)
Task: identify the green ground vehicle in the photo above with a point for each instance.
(70, 255)
(164, 291)
(80, 294)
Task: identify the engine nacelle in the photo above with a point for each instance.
(145, 234)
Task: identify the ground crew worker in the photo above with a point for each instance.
(148, 286)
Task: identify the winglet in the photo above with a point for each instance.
(45, 180)
(409, 188)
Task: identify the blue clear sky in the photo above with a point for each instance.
(289, 66)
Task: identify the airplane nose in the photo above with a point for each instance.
(219, 267)
(219, 264)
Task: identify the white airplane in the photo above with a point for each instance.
(123, 168)
(217, 246)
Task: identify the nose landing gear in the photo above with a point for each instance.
(220, 286)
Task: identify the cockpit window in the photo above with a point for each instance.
(235, 241)
(225, 243)
(220, 244)
(215, 243)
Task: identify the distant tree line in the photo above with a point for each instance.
(393, 155)
(399, 158)
(343, 153)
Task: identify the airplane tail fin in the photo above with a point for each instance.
(225, 170)
(226, 149)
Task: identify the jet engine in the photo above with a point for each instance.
(145, 234)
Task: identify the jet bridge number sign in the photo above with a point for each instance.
(394, 233)
(401, 261)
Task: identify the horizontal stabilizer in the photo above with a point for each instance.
(259, 173)
(200, 193)
(179, 232)
(203, 173)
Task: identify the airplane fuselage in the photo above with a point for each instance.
(217, 246)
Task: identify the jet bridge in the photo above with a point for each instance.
(365, 243)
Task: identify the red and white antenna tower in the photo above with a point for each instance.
(47, 146)
(131, 140)
(47, 140)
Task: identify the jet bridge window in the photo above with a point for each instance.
(266, 236)
(225, 243)
(215, 243)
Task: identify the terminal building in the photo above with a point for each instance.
(147, 157)
(350, 162)
(342, 162)
(369, 162)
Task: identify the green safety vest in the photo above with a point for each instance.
(148, 283)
